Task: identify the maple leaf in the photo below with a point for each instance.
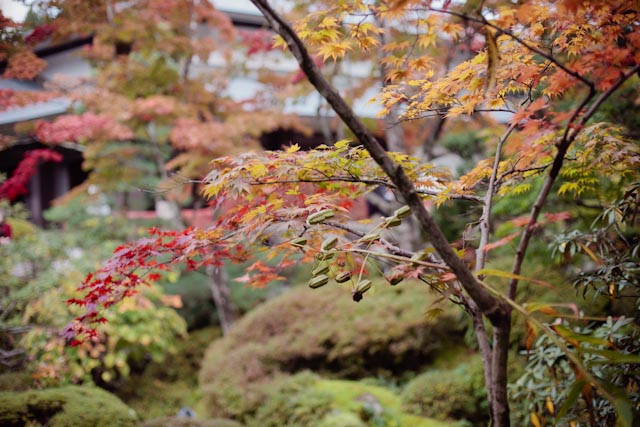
(334, 51)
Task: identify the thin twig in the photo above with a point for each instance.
(388, 245)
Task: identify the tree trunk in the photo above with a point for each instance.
(219, 283)
(499, 404)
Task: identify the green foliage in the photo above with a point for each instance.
(41, 270)
(623, 108)
(194, 288)
(69, 406)
(517, 203)
(386, 334)
(16, 381)
(550, 388)
(454, 217)
(305, 400)
(148, 75)
(457, 393)
(465, 144)
(613, 245)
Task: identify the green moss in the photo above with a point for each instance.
(341, 419)
(65, 407)
(307, 401)
(292, 401)
(457, 393)
(384, 335)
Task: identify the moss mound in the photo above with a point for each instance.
(457, 393)
(305, 400)
(186, 422)
(65, 407)
(385, 335)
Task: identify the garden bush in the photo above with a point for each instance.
(70, 406)
(457, 393)
(387, 334)
(306, 400)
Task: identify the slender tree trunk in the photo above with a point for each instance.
(219, 284)
(499, 404)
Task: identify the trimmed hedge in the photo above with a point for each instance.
(385, 335)
(70, 406)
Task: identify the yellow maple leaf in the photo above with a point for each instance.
(292, 148)
(334, 50)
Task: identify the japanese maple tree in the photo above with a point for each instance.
(551, 65)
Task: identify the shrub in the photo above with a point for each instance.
(292, 401)
(70, 406)
(385, 334)
(305, 400)
(457, 393)
(42, 270)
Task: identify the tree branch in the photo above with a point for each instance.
(490, 306)
(567, 139)
(384, 183)
(395, 250)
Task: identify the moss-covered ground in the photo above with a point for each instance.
(70, 406)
